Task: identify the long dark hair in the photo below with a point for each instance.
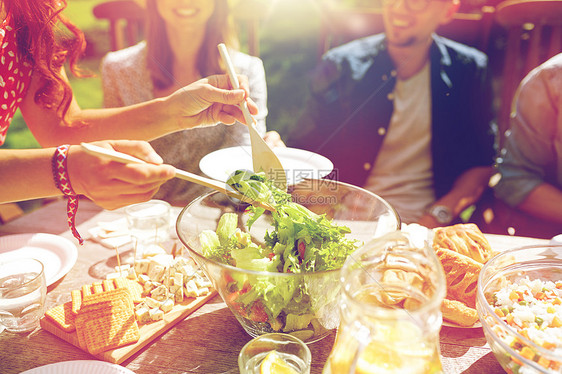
(46, 45)
(219, 29)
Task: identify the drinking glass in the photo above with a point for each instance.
(390, 309)
(23, 290)
(293, 351)
(149, 224)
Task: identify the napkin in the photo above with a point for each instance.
(113, 234)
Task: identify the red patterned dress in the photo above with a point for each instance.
(15, 75)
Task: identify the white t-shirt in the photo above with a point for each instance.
(402, 173)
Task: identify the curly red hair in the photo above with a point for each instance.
(45, 44)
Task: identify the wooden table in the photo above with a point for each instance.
(209, 340)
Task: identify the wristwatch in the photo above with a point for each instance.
(441, 213)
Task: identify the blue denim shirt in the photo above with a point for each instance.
(533, 145)
(350, 106)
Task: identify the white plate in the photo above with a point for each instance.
(57, 254)
(80, 366)
(298, 163)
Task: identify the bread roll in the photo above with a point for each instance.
(461, 273)
(458, 313)
(466, 239)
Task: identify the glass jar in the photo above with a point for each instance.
(392, 290)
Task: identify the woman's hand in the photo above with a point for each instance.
(112, 184)
(209, 101)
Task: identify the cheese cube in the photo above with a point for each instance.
(178, 279)
(140, 305)
(113, 276)
(141, 266)
(191, 289)
(178, 295)
(167, 305)
(149, 286)
(143, 278)
(152, 303)
(156, 314)
(169, 276)
(160, 293)
(173, 288)
(142, 315)
(123, 268)
(202, 282)
(131, 274)
(187, 270)
(156, 272)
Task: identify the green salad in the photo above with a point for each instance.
(299, 241)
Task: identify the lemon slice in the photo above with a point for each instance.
(274, 364)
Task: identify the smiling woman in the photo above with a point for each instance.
(181, 46)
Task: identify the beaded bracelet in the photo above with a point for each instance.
(62, 181)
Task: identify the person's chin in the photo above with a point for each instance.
(188, 24)
(402, 42)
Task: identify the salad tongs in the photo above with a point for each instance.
(181, 174)
(263, 158)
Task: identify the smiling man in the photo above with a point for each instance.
(406, 114)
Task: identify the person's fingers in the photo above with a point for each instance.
(252, 106)
(272, 136)
(218, 95)
(244, 84)
(230, 114)
(112, 184)
(223, 81)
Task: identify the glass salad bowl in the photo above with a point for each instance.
(304, 304)
(519, 305)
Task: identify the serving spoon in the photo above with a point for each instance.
(263, 157)
(181, 174)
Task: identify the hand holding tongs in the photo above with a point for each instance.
(181, 174)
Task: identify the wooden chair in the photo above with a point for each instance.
(534, 34)
(340, 25)
(248, 16)
(126, 22)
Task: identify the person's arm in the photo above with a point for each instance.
(27, 174)
(205, 102)
(467, 189)
(529, 149)
(544, 202)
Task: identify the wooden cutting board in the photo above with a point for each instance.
(148, 332)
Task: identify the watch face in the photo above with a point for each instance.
(441, 213)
